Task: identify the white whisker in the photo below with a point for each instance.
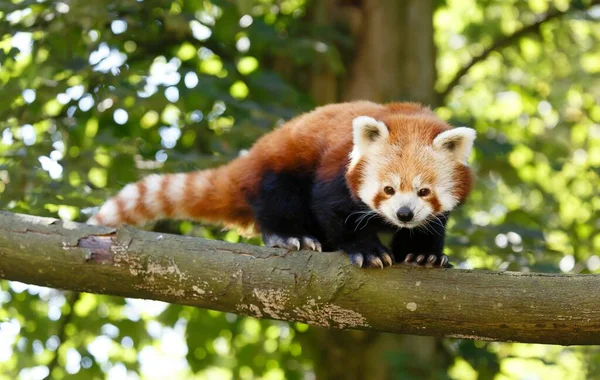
(368, 220)
(356, 212)
(431, 229)
(360, 220)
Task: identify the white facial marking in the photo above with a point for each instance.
(447, 200)
(396, 182)
(445, 181)
(448, 148)
(416, 182)
(420, 208)
(370, 183)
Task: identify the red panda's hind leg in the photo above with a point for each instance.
(282, 210)
(289, 242)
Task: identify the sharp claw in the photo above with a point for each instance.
(387, 259)
(408, 258)
(443, 261)
(293, 243)
(275, 243)
(357, 259)
(310, 244)
(420, 259)
(431, 260)
(376, 262)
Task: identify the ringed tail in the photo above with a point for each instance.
(213, 196)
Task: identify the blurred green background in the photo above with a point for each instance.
(98, 94)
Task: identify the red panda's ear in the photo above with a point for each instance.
(367, 131)
(457, 142)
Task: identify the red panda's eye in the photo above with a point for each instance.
(389, 190)
(424, 192)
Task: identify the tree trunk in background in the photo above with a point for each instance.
(393, 59)
(395, 53)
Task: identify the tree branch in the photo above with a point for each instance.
(321, 289)
(507, 41)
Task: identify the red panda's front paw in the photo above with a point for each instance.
(292, 242)
(431, 260)
(378, 258)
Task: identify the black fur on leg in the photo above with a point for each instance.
(422, 246)
(282, 211)
(349, 225)
(368, 253)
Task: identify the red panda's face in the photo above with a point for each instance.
(409, 169)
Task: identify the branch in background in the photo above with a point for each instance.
(507, 41)
(62, 331)
(321, 289)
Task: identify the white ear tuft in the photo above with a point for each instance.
(366, 131)
(457, 142)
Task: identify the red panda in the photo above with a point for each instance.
(330, 179)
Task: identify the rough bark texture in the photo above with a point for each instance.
(320, 289)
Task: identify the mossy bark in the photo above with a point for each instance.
(320, 289)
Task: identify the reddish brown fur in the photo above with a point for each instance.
(189, 192)
(434, 202)
(121, 210)
(408, 134)
(409, 108)
(380, 197)
(318, 141)
(464, 182)
(167, 206)
(140, 209)
(353, 178)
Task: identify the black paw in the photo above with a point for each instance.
(291, 242)
(370, 256)
(427, 260)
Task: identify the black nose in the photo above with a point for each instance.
(405, 214)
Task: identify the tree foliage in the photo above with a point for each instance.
(98, 94)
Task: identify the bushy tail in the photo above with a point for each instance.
(209, 195)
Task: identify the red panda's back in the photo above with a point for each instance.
(305, 142)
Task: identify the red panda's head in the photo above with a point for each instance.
(408, 168)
